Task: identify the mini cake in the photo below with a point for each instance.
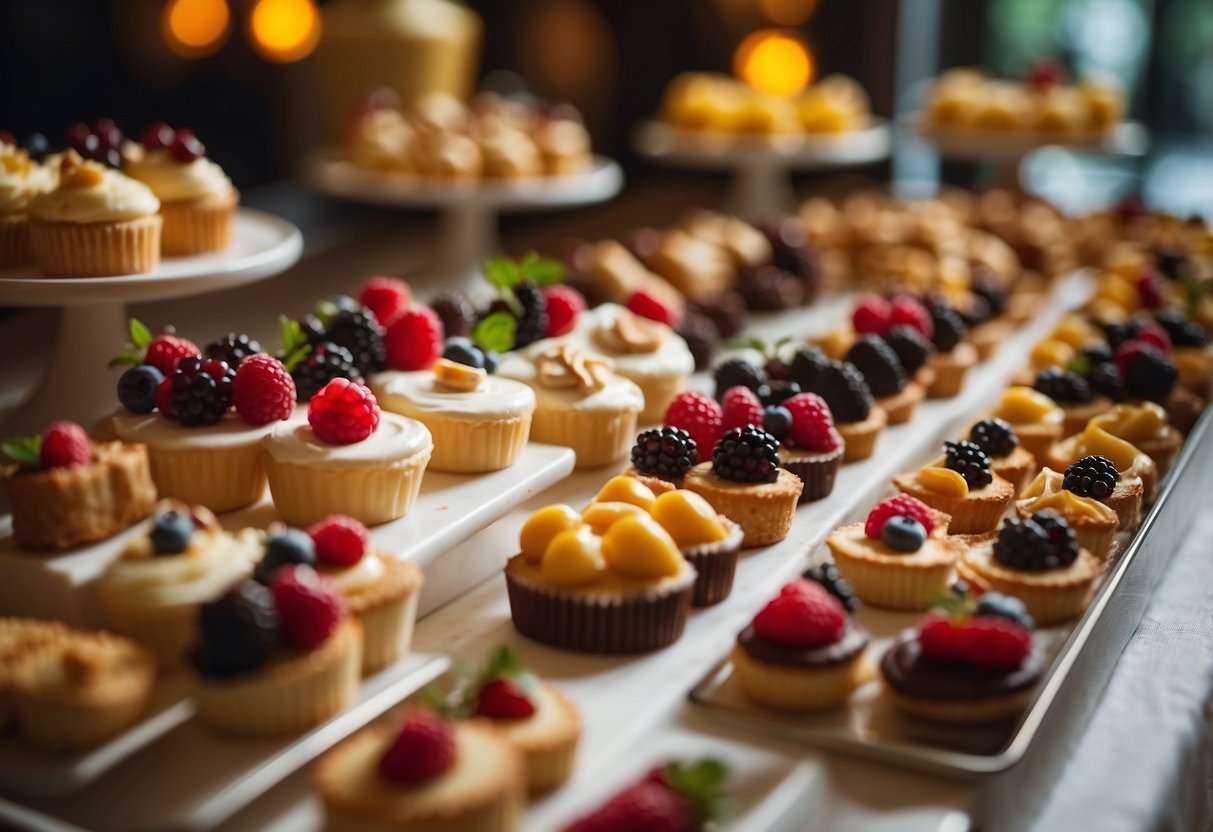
(1072, 393)
(692, 792)
(882, 371)
(197, 199)
(623, 589)
(1137, 481)
(1037, 560)
(18, 636)
(19, 186)
(961, 485)
(745, 483)
(1035, 418)
(478, 422)
(802, 652)
(1093, 523)
(274, 661)
(97, 222)
(348, 458)
(1098, 477)
(858, 419)
(898, 556)
(970, 663)
(661, 458)
(65, 491)
(1144, 426)
(1130, 461)
(1008, 459)
(954, 356)
(152, 592)
(423, 773)
(564, 145)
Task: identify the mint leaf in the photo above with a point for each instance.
(702, 782)
(544, 271)
(141, 336)
(1079, 365)
(495, 332)
(295, 347)
(23, 449)
(131, 357)
(502, 272)
(326, 310)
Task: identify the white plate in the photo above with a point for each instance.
(671, 145)
(1129, 138)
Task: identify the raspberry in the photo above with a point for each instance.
(803, 615)
(741, 407)
(812, 424)
(164, 398)
(64, 445)
(907, 311)
(1127, 351)
(565, 305)
(699, 416)
(343, 412)
(263, 391)
(414, 339)
(309, 604)
(386, 297)
(996, 644)
(647, 306)
(872, 314)
(648, 806)
(502, 699)
(340, 541)
(940, 639)
(1149, 290)
(1047, 72)
(165, 351)
(903, 505)
(424, 749)
(1156, 336)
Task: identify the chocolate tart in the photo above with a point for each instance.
(796, 679)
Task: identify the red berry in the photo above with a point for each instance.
(741, 407)
(565, 305)
(1156, 336)
(647, 306)
(940, 639)
(186, 147)
(1149, 289)
(413, 340)
(903, 505)
(872, 314)
(812, 424)
(698, 415)
(803, 615)
(648, 806)
(995, 643)
(1047, 73)
(164, 398)
(308, 603)
(1129, 350)
(165, 351)
(907, 310)
(157, 136)
(343, 412)
(263, 391)
(424, 749)
(64, 445)
(386, 297)
(340, 541)
(502, 699)
(7, 138)
(75, 136)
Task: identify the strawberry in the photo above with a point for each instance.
(908, 311)
(741, 407)
(501, 698)
(308, 603)
(413, 339)
(423, 749)
(803, 615)
(673, 798)
(812, 424)
(985, 641)
(565, 305)
(902, 504)
(872, 314)
(647, 306)
(386, 297)
(699, 416)
(64, 445)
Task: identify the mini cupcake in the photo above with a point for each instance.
(954, 356)
(802, 652)
(478, 422)
(745, 483)
(1007, 458)
(1130, 461)
(564, 145)
(661, 458)
(1035, 418)
(97, 222)
(858, 419)
(347, 459)
(899, 556)
(1074, 395)
(1145, 427)
(894, 391)
(20, 184)
(18, 637)
(1037, 560)
(274, 661)
(1094, 524)
(197, 199)
(961, 485)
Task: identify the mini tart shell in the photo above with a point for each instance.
(886, 578)
(951, 369)
(1065, 453)
(1092, 534)
(590, 620)
(716, 564)
(1183, 408)
(1077, 414)
(763, 510)
(816, 470)
(1163, 449)
(962, 711)
(900, 408)
(16, 249)
(597, 437)
(1017, 468)
(987, 337)
(387, 611)
(295, 691)
(548, 738)
(98, 249)
(1038, 437)
(859, 438)
(197, 226)
(1051, 596)
(975, 513)
(791, 688)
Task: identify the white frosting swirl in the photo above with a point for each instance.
(672, 357)
(359, 577)
(114, 198)
(393, 443)
(173, 181)
(20, 180)
(618, 393)
(213, 562)
(158, 432)
(417, 394)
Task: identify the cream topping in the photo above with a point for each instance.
(104, 196)
(20, 180)
(154, 430)
(616, 394)
(213, 562)
(393, 442)
(359, 577)
(593, 333)
(173, 181)
(419, 394)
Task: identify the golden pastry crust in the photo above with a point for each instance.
(655, 484)
(886, 578)
(860, 438)
(400, 579)
(962, 711)
(1078, 414)
(1051, 595)
(548, 738)
(976, 512)
(763, 510)
(900, 408)
(801, 688)
(1017, 468)
(951, 369)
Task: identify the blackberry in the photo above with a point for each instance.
(1106, 380)
(359, 332)
(727, 311)
(533, 324)
(746, 454)
(949, 328)
(736, 372)
(994, 436)
(770, 289)
(985, 284)
(1119, 333)
(701, 336)
(844, 390)
(1023, 544)
(777, 392)
(1092, 476)
(325, 362)
(806, 363)
(911, 347)
(880, 366)
(1183, 332)
(792, 253)
(997, 605)
(1096, 354)
(1170, 263)
(970, 461)
(1150, 374)
(237, 631)
(202, 391)
(1062, 386)
(232, 348)
(667, 453)
(1060, 534)
(828, 576)
(456, 312)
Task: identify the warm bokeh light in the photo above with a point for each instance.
(285, 30)
(774, 62)
(788, 12)
(194, 28)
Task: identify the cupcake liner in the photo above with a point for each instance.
(1048, 605)
(659, 393)
(951, 369)
(817, 472)
(900, 408)
(764, 514)
(197, 226)
(387, 631)
(54, 726)
(799, 688)
(860, 437)
(99, 249)
(893, 586)
(304, 494)
(222, 479)
(469, 446)
(598, 437)
(166, 631)
(16, 249)
(716, 564)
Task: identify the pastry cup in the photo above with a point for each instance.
(900, 408)
(98, 249)
(893, 580)
(221, 478)
(716, 564)
(470, 446)
(987, 337)
(1076, 415)
(1183, 408)
(1092, 534)
(295, 691)
(654, 483)
(859, 438)
(1037, 438)
(387, 611)
(1162, 449)
(817, 471)
(975, 513)
(598, 437)
(197, 226)
(1017, 468)
(962, 711)
(791, 688)
(1126, 501)
(548, 739)
(951, 369)
(16, 249)
(763, 510)
(1066, 452)
(1052, 596)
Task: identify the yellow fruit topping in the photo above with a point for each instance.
(625, 489)
(539, 529)
(573, 558)
(640, 547)
(458, 376)
(1119, 291)
(1105, 311)
(1046, 492)
(689, 518)
(943, 481)
(601, 516)
(837, 342)
(1096, 440)
(1193, 364)
(1025, 406)
(1051, 352)
(1076, 331)
(1134, 423)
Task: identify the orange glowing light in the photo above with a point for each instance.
(285, 30)
(788, 12)
(195, 28)
(774, 62)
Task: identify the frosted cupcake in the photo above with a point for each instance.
(20, 184)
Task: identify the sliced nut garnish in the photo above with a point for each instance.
(81, 666)
(632, 334)
(566, 366)
(458, 376)
(74, 172)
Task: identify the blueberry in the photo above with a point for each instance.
(491, 361)
(1004, 606)
(463, 351)
(778, 392)
(290, 546)
(905, 534)
(777, 421)
(38, 146)
(171, 532)
(137, 388)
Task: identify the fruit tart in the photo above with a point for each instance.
(898, 556)
(961, 485)
(1130, 460)
(661, 458)
(1093, 523)
(1074, 395)
(1008, 459)
(895, 392)
(1145, 427)
(954, 356)
(65, 491)
(801, 652)
(1035, 418)
(1151, 374)
(859, 420)
(1101, 462)
(678, 795)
